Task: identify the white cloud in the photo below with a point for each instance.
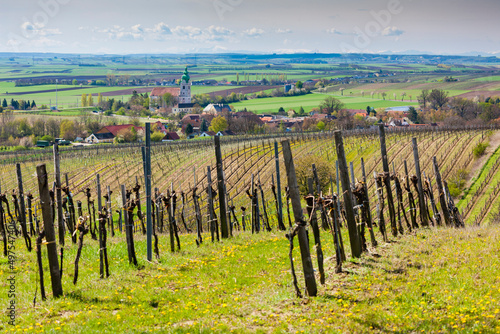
(392, 31)
(254, 32)
(161, 32)
(335, 31)
(137, 29)
(162, 28)
(31, 30)
(187, 31)
(283, 31)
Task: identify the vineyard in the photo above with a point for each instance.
(103, 209)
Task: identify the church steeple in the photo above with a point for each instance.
(185, 88)
(185, 76)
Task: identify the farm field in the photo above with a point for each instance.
(475, 80)
(309, 101)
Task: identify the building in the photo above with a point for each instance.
(108, 133)
(216, 109)
(181, 94)
(169, 136)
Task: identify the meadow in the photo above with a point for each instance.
(432, 281)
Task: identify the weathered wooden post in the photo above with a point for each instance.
(22, 208)
(110, 211)
(442, 198)
(324, 218)
(314, 224)
(220, 186)
(210, 204)
(48, 224)
(387, 180)
(344, 177)
(421, 201)
(278, 187)
(147, 182)
(411, 200)
(299, 229)
(125, 220)
(366, 203)
(100, 227)
(57, 172)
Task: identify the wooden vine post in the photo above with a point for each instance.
(387, 181)
(147, 182)
(57, 172)
(48, 224)
(311, 210)
(421, 201)
(278, 188)
(346, 187)
(300, 224)
(220, 187)
(366, 203)
(210, 203)
(442, 198)
(22, 208)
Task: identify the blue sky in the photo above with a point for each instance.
(187, 26)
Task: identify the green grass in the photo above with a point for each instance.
(438, 280)
(310, 101)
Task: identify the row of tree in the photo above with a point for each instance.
(19, 104)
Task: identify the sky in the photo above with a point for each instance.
(251, 26)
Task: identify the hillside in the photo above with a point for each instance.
(432, 281)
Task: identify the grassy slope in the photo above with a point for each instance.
(440, 280)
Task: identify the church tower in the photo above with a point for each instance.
(185, 88)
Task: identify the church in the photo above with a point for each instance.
(181, 94)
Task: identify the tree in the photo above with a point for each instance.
(414, 116)
(303, 171)
(204, 125)
(403, 94)
(301, 111)
(4, 103)
(157, 136)
(33, 104)
(84, 100)
(299, 85)
(331, 105)
(99, 98)
(464, 108)
(68, 130)
(384, 94)
(14, 104)
(423, 98)
(90, 100)
(128, 135)
(23, 128)
(438, 98)
(344, 120)
(321, 125)
(168, 100)
(219, 123)
(74, 82)
(189, 129)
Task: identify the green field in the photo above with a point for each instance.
(310, 101)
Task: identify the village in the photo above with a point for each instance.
(196, 122)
